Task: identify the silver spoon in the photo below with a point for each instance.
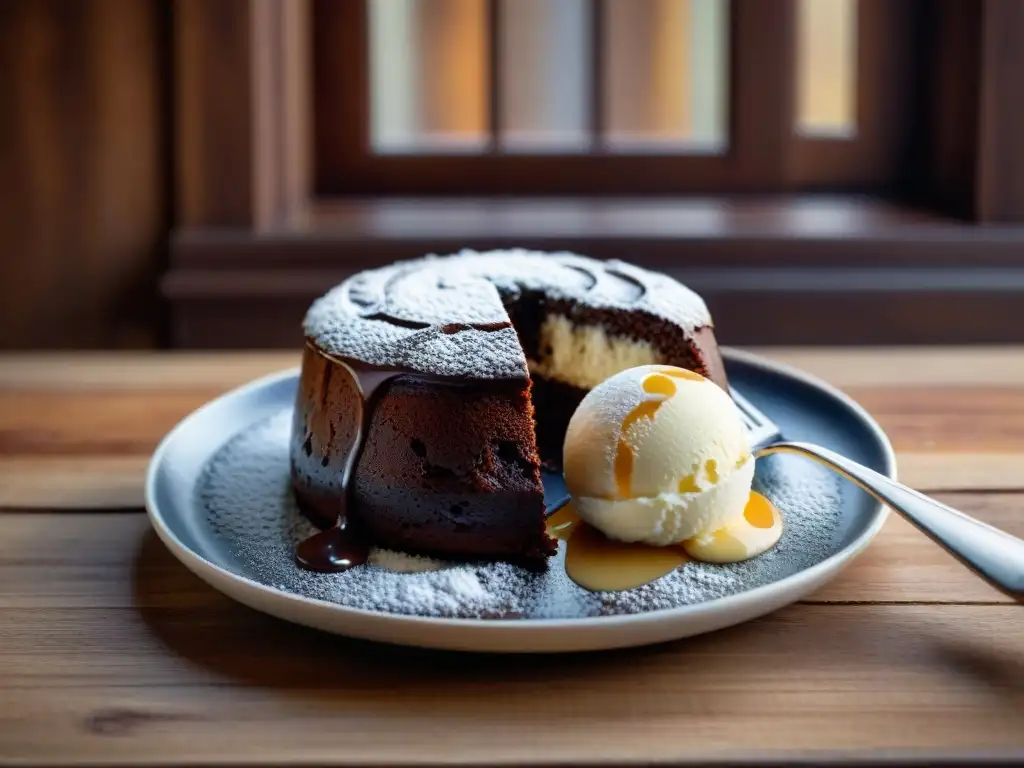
(994, 555)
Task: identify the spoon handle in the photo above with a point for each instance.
(994, 555)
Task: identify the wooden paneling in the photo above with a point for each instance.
(249, 258)
(977, 117)
(883, 152)
(954, 55)
(1001, 145)
(214, 108)
(82, 166)
(241, 77)
(797, 270)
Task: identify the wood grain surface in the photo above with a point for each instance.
(84, 172)
(111, 651)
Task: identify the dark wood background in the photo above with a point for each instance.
(156, 189)
(84, 172)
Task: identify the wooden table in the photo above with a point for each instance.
(111, 651)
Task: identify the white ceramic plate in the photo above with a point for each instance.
(805, 408)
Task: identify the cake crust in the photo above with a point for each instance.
(450, 316)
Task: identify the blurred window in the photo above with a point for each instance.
(827, 68)
(742, 81)
(664, 86)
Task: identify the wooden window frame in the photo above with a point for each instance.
(256, 237)
(760, 109)
(881, 157)
(765, 154)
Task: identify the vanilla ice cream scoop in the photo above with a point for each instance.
(659, 455)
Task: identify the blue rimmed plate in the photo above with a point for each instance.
(805, 408)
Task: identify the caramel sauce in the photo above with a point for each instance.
(760, 512)
(623, 468)
(560, 524)
(718, 547)
(679, 373)
(662, 387)
(757, 531)
(600, 564)
(689, 485)
(656, 384)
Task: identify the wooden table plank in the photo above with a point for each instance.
(904, 565)
(939, 418)
(935, 472)
(114, 561)
(843, 367)
(160, 686)
(975, 436)
(155, 371)
(40, 422)
(75, 404)
(86, 483)
(73, 482)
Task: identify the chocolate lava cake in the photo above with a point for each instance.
(432, 390)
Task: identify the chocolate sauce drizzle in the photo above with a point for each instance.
(332, 551)
(341, 547)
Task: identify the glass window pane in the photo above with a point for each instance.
(827, 64)
(666, 65)
(428, 75)
(545, 75)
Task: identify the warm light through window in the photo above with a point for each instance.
(428, 65)
(667, 74)
(827, 63)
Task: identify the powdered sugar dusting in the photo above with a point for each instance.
(246, 493)
(404, 314)
(401, 562)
